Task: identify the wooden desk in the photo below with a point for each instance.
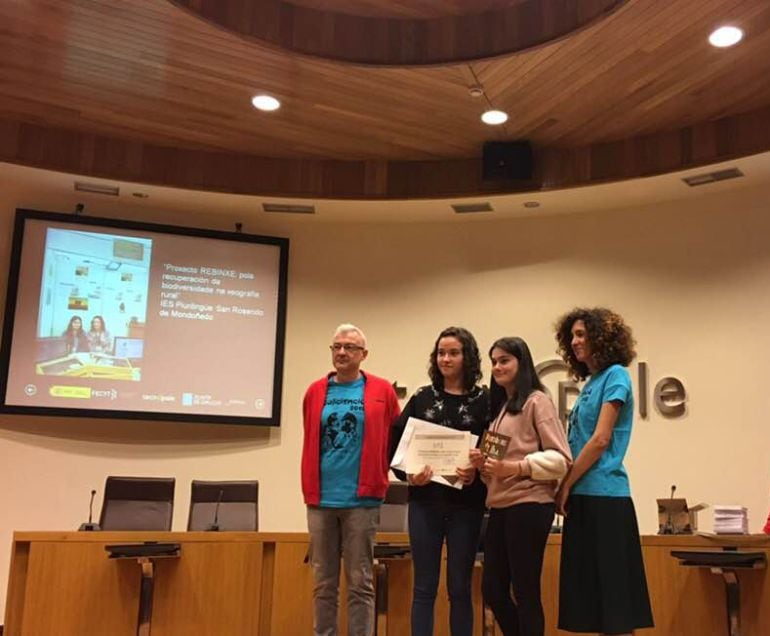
(224, 584)
(248, 583)
(63, 583)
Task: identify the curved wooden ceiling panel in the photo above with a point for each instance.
(109, 157)
(146, 91)
(322, 31)
(419, 9)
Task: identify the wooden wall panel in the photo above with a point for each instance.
(112, 158)
(292, 588)
(213, 589)
(59, 601)
(62, 583)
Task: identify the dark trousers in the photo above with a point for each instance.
(429, 524)
(513, 559)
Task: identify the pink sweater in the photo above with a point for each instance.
(536, 428)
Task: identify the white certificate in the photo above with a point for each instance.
(443, 449)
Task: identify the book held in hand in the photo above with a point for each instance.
(494, 445)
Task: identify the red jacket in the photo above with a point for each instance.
(381, 410)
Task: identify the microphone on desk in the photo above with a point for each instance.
(669, 527)
(90, 526)
(214, 527)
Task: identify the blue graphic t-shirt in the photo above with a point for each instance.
(342, 434)
(607, 477)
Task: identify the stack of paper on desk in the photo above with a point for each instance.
(730, 520)
(442, 448)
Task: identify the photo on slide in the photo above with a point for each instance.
(93, 305)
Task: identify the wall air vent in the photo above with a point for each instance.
(97, 188)
(290, 208)
(711, 177)
(466, 208)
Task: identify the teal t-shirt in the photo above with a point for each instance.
(342, 435)
(607, 477)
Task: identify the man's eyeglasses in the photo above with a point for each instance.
(348, 347)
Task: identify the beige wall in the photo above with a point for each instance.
(691, 278)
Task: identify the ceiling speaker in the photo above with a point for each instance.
(507, 161)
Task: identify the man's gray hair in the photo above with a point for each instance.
(345, 327)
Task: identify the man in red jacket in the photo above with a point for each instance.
(347, 417)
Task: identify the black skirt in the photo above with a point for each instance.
(602, 585)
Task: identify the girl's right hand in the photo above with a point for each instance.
(476, 458)
(421, 478)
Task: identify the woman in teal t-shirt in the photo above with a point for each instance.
(603, 587)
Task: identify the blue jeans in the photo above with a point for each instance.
(429, 523)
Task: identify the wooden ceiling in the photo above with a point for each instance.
(485, 31)
(150, 91)
(406, 8)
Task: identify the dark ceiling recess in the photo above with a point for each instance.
(290, 208)
(466, 208)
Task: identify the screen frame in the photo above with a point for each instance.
(24, 214)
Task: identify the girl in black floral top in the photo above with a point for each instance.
(436, 512)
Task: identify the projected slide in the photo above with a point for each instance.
(93, 298)
(145, 320)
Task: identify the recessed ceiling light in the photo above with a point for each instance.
(475, 90)
(725, 36)
(494, 117)
(265, 102)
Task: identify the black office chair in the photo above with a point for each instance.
(137, 503)
(238, 507)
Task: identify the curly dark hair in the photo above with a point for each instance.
(471, 358)
(609, 337)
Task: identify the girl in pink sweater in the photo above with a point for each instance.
(521, 471)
